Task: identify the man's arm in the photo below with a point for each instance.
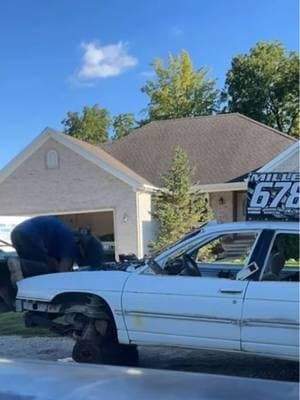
(93, 253)
(65, 265)
(66, 250)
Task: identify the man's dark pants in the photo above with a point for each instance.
(32, 254)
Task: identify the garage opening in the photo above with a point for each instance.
(101, 224)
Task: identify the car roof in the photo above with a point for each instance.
(248, 225)
(213, 227)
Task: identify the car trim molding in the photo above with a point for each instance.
(200, 318)
(274, 323)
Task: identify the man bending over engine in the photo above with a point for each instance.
(46, 245)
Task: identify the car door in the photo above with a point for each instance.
(188, 311)
(270, 323)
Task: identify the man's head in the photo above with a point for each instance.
(81, 233)
(89, 250)
(81, 236)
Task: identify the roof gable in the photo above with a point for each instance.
(278, 163)
(91, 153)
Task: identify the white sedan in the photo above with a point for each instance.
(229, 287)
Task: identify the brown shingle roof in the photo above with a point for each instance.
(220, 148)
(105, 156)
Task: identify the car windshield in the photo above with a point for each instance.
(187, 236)
(6, 248)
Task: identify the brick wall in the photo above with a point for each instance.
(222, 212)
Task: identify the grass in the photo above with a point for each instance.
(13, 324)
(292, 263)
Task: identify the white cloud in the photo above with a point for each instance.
(104, 61)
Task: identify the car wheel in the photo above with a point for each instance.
(87, 351)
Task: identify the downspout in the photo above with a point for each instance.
(234, 206)
(138, 226)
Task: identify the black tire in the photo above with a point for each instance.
(86, 351)
(129, 355)
(120, 354)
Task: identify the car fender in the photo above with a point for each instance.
(107, 285)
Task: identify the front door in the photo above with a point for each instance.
(191, 311)
(184, 311)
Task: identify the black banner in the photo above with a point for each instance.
(273, 196)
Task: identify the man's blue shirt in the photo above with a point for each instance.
(58, 240)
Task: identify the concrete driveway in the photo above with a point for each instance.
(47, 348)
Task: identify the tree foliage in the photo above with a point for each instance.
(264, 85)
(178, 208)
(178, 90)
(123, 124)
(91, 126)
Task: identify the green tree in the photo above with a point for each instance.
(180, 91)
(91, 126)
(178, 208)
(123, 124)
(264, 85)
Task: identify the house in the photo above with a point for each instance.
(109, 187)
(222, 150)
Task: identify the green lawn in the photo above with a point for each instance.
(292, 263)
(13, 324)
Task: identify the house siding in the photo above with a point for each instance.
(76, 186)
(291, 164)
(146, 224)
(222, 212)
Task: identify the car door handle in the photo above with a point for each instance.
(231, 291)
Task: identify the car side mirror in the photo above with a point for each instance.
(247, 271)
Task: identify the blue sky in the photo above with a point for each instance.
(60, 55)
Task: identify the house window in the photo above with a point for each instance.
(52, 159)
